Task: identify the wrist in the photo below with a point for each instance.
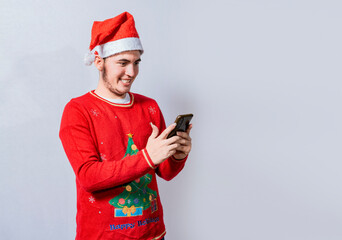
(179, 157)
(148, 159)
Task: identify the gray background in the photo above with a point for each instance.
(263, 79)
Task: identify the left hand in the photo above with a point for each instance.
(184, 144)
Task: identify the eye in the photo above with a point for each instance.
(122, 64)
(137, 62)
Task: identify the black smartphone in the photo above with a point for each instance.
(183, 122)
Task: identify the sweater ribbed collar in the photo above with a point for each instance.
(92, 93)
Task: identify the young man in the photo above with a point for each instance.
(111, 138)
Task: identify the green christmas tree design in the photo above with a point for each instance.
(131, 147)
(136, 196)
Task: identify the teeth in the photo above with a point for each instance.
(125, 81)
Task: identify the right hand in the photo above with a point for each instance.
(160, 147)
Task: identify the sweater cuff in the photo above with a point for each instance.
(148, 159)
(179, 160)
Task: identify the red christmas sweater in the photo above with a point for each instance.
(117, 192)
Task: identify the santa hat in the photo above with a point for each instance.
(113, 36)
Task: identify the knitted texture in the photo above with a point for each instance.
(117, 192)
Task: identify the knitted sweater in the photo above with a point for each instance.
(117, 192)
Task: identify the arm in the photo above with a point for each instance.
(92, 173)
(170, 168)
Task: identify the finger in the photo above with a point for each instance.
(172, 149)
(183, 149)
(172, 140)
(155, 131)
(189, 128)
(184, 142)
(174, 146)
(167, 131)
(171, 153)
(184, 135)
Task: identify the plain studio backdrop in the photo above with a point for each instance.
(262, 78)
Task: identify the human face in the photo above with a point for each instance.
(118, 73)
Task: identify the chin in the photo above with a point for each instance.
(125, 91)
(122, 91)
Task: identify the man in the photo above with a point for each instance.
(111, 138)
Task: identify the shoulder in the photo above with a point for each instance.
(81, 99)
(78, 103)
(141, 99)
(148, 104)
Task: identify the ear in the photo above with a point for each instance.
(99, 62)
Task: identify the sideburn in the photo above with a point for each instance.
(104, 71)
(106, 82)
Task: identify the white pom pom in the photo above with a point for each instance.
(89, 58)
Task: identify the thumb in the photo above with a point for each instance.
(155, 131)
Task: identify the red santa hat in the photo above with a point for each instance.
(113, 36)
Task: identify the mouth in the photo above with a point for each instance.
(126, 81)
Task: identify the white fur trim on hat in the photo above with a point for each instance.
(121, 45)
(89, 58)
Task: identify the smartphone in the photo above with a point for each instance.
(183, 122)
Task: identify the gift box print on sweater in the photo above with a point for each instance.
(136, 196)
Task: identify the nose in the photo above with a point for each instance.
(131, 70)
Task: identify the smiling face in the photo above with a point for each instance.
(117, 73)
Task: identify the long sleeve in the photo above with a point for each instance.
(93, 173)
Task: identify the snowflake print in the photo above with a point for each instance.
(103, 157)
(152, 110)
(91, 199)
(94, 112)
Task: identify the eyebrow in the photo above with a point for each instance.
(126, 60)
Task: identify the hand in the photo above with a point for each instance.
(184, 144)
(160, 148)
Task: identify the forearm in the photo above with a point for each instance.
(94, 174)
(170, 168)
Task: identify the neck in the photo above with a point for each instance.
(103, 91)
